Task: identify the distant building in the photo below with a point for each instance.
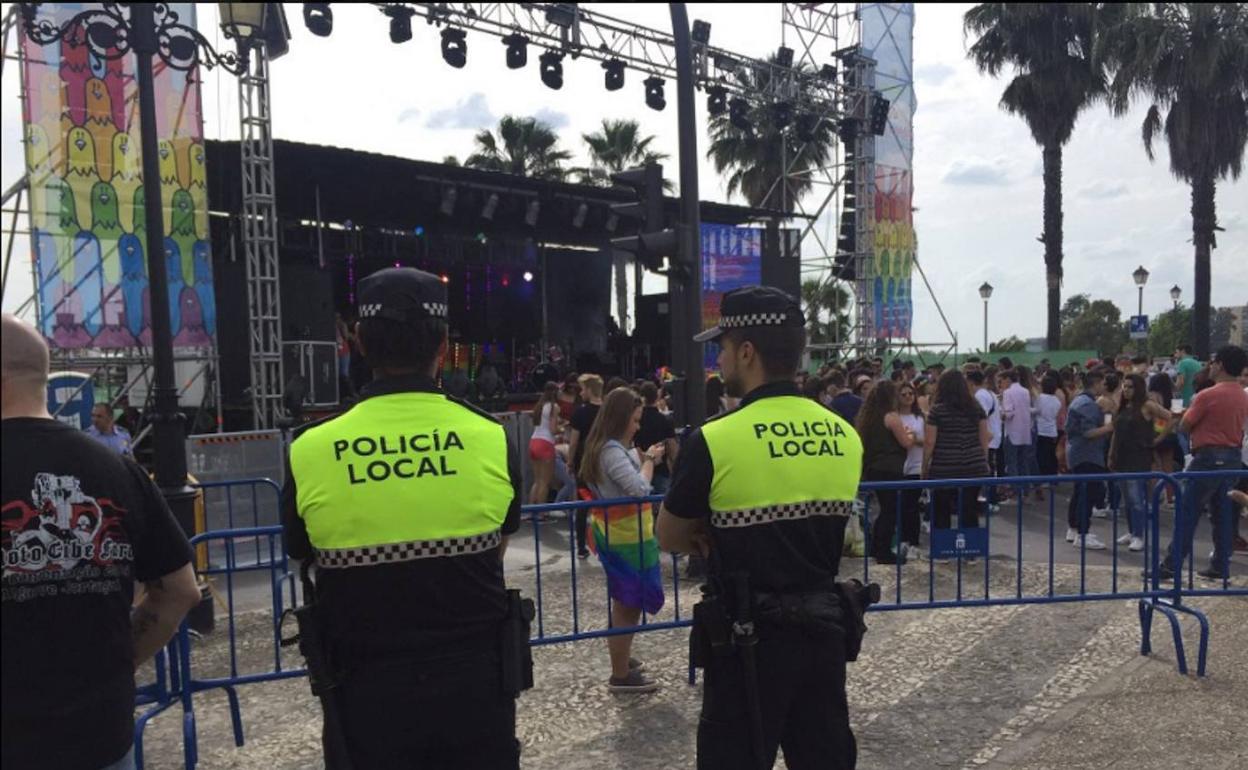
(1037, 345)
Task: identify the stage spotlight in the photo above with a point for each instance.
(781, 114)
(828, 72)
(318, 18)
(552, 69)
(455, 47)
(530, 216)
(716, 100)
(784, 57)
(449, 196)
(528, 277)
(578, 219)
(420, 231)
(654, 93)
(400, 23)
(808, 127)
(491, 204)
(445, 278)
(517, 51)
(739, 113)
(615, 74)
(701, 31)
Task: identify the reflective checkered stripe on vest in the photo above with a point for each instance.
(402, 477)
(781, 459)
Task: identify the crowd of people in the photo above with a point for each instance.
(996, 419)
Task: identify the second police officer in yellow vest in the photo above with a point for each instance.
(404, 502)
(766, 491)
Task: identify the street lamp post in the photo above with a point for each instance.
(1141, 277)
(148, 30)
(1175, 293)
(985, 292)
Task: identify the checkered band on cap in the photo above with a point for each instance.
(435, 309)
(370, 310)
(749, 517)
(390, 553)
(752, 319)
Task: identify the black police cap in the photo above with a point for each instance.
(755, 306)
(402, 294)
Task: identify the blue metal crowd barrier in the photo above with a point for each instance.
(1153, 594)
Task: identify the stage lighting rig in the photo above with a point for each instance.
(400, 23)
(654, 93)
(561, 14)
(449, 196)
(781, 114)
(319, 18)
(517, 51)
(455, 47)
(879, 113)
(716, 100)
(701, 33)
(739, 113)
(578, 219)
(784, 57)
(614, 78)
(552, 69)
(530, 216)
(808, 127)
(491, 203)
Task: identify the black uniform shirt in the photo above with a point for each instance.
(419, 608)
(788, 555)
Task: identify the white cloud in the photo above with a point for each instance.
(411, 113)
(935, 74)
(470, 113)
(553, 118)
(1102, 190)
(976, 173)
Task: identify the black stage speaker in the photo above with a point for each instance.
(782, 260)
(653, 320)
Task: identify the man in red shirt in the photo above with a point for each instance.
(1215, 421)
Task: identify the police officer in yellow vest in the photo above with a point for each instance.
(405, 502)
(765, 492)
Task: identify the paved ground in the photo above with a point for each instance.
(1009, 687)
(1002, 687)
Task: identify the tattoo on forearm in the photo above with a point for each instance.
(142, 620)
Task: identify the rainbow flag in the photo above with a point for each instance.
(623, 538)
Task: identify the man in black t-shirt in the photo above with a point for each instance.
(81, 524)
(655, 429)
(581, 422)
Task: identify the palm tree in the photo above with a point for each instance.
(825, 299)
(1191, 61)
(769, 167)
(523, 146)
(618, 146)
(1051, 48)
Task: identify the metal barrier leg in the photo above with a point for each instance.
(190, 748)
(1177, 630)
(1146, 627)
(236, 715)
(693, 674)
(1203, 650)
(139, 725)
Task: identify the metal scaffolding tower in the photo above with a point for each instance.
(259, 238)
(821, 34)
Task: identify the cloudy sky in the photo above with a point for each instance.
(978, 185)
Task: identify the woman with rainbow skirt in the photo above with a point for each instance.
(623, 535)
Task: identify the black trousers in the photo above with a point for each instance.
(890, 509)
(1085, 496)
(801, 684)
(945, 506)
(428, 716)
(1046, 455)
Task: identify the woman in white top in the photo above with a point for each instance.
(912, 419)
(1048, 406)
(542, 444)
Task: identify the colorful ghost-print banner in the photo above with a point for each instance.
(87, 193)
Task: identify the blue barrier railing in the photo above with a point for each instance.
(1098, 577)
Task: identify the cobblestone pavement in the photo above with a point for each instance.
(999, 687)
